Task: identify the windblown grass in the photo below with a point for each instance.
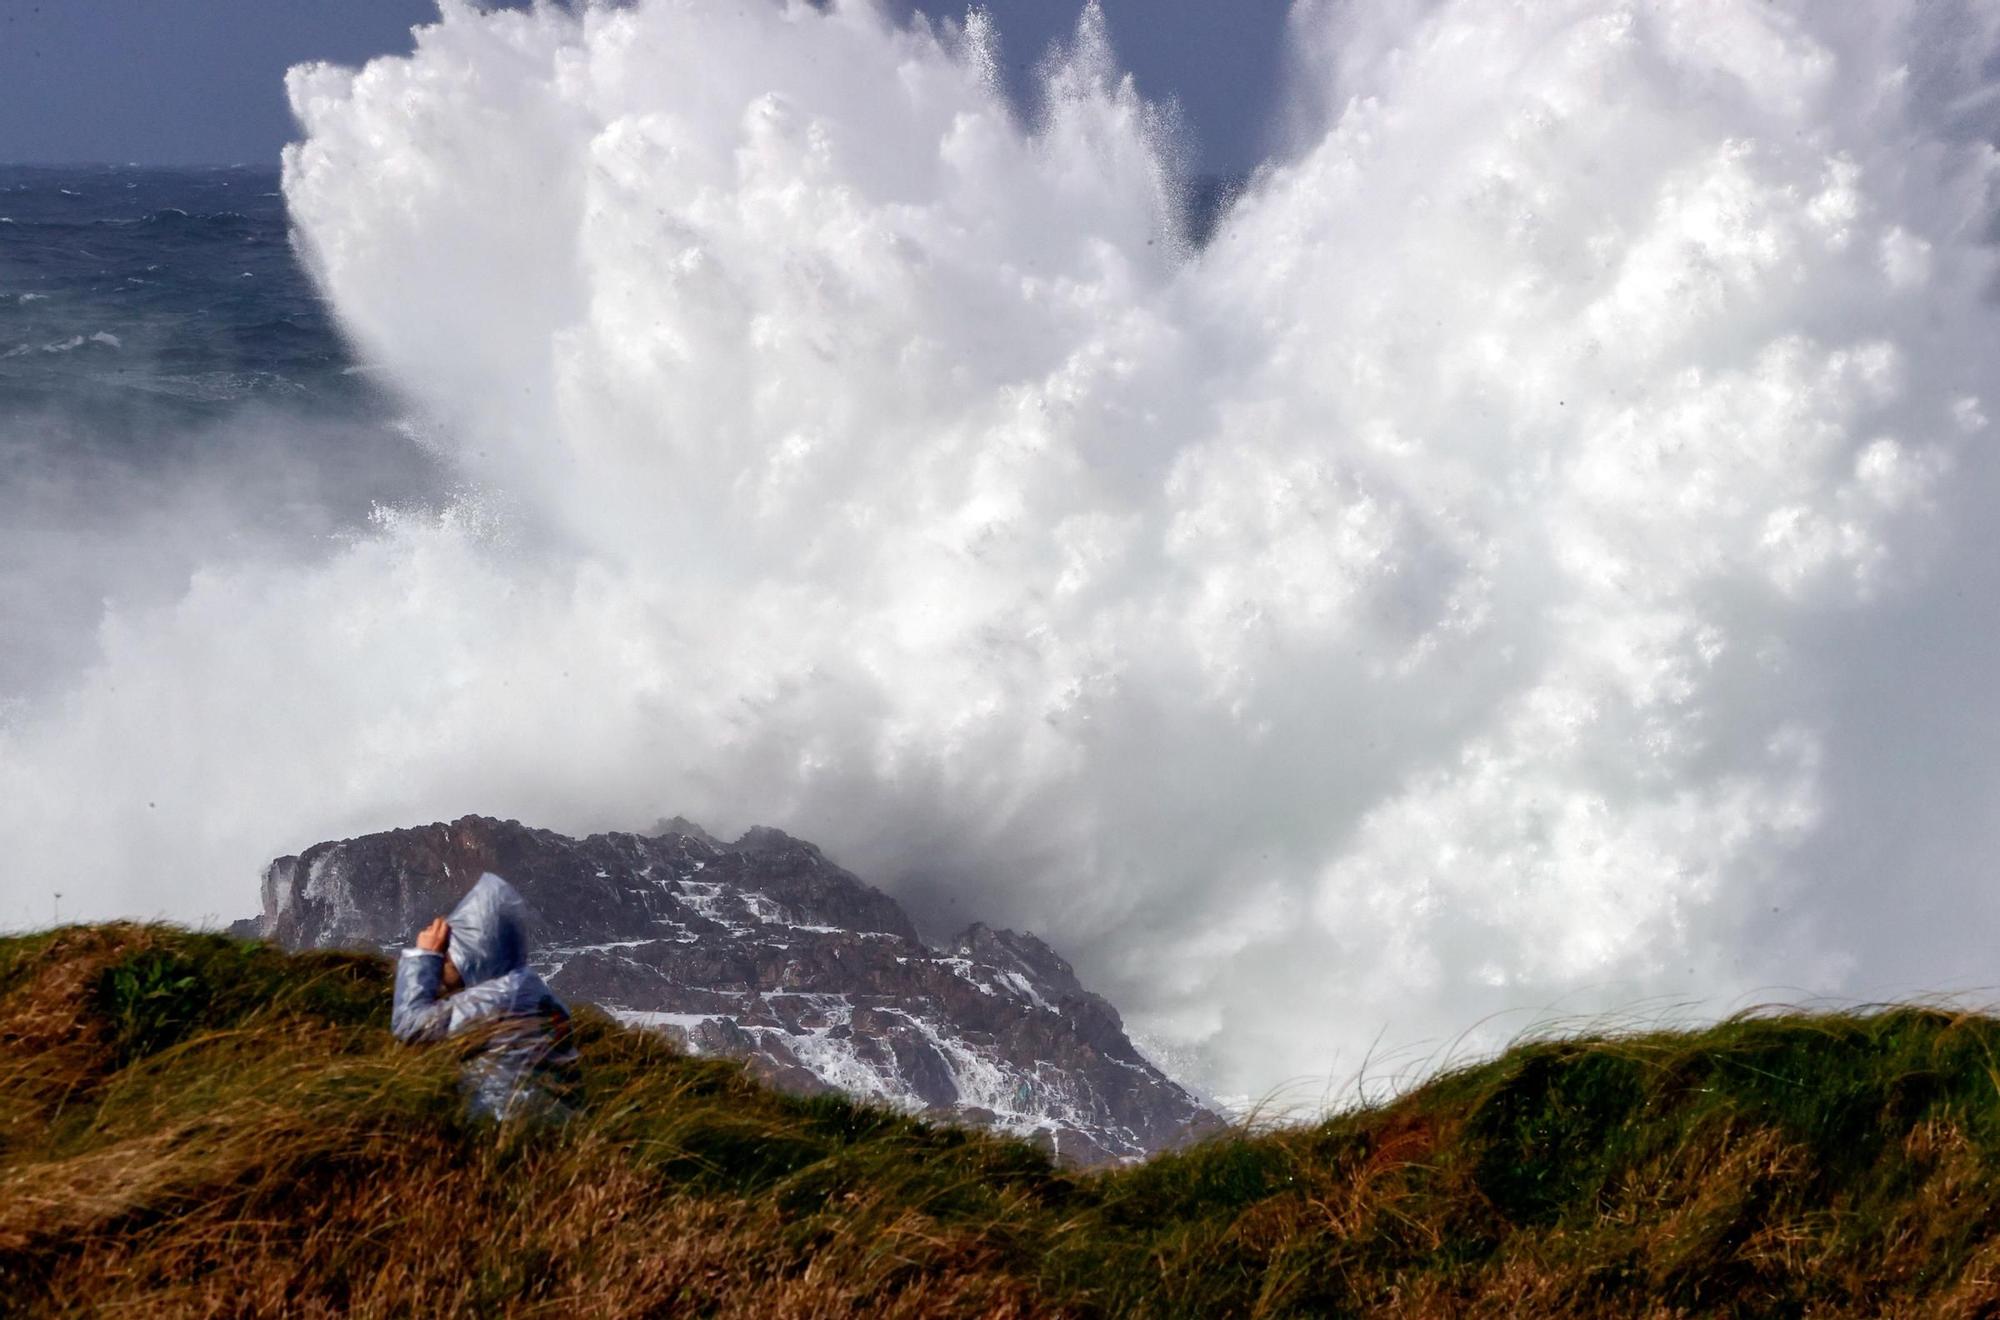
(195, 1125)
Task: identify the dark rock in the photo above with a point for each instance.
(765, 951)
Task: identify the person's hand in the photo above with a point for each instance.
(431, 939)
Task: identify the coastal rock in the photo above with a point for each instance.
(763, 950)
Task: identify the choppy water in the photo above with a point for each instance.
(178, 286)
(172, 393)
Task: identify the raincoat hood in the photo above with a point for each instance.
(489, 931)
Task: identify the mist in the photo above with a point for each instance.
(1531, 560)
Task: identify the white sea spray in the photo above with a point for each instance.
(1532, 556)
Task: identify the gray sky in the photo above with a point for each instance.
(179, 82)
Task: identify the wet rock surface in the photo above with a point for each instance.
(766, 951)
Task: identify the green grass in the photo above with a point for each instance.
(193, 1124)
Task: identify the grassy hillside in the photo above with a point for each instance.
(192, 1124)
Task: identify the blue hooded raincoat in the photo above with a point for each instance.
(522, 1060)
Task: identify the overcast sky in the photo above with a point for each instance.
(182, 82)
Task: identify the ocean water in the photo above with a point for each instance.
(1533, 557)
(177, 285)
(162, 353)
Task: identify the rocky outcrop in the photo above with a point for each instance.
(764, 950)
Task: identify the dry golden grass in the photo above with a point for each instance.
(195, 1126)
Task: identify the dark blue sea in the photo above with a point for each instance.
(165, 285)
(160, 348)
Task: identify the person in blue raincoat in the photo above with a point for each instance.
(468, 976)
